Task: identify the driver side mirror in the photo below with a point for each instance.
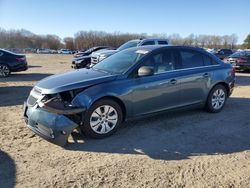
(145, 71)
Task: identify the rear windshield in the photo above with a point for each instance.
(241, 54)
(162, 42)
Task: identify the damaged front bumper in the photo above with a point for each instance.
(50, 123)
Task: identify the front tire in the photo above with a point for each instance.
(102, 119)
(4, 70)
(216, 99)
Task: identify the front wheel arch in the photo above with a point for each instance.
(87, 128)
(118, 101)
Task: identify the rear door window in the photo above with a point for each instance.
(151, 42)
(162, 42)
(191, 59)
(226, 51)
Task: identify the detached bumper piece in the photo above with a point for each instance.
(53, 127)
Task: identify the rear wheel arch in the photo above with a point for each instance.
(217, 97)
(223, 84)
(6, 65)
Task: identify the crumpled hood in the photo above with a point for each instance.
(104, 52)
(73, 80)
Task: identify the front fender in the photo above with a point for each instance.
(113, 89)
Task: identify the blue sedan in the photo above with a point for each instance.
(133, 83)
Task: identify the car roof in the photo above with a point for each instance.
(7, 51)
(155, 39)
(155, 47)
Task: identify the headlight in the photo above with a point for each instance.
(102, 57)
(58, 106)
(77, 62)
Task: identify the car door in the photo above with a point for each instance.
(195, 77)
(161, 90)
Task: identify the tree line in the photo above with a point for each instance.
(22, 39)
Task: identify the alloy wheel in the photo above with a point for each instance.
(103, 119)
(4, 70)
(218, 99)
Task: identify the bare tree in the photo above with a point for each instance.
(87, 39)
(69, 43)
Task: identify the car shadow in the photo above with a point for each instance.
(35, 66)
(177, 135)
(14, 95)
(242, 79)
(19, 77)
(7, 170)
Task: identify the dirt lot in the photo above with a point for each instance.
(185, 149)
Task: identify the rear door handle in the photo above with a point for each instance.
(173, 81)
(205, 75)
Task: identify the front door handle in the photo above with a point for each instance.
(205, 75)
(173, 81)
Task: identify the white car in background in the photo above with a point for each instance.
(64, 51)
(43, 51)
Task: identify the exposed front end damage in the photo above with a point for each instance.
(52, 117)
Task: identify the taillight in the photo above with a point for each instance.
(20, 59)
(242, 60)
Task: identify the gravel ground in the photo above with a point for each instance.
(183, 149)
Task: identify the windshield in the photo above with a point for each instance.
(129, 44)
(121, 61)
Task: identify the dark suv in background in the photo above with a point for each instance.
(99, 56)
(90, 51)
(83, 59)
(223, 53)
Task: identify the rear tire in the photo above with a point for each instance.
(4, 70)
(216, 99)
(102, 119)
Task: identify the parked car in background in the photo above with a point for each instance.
(222, 53)
(132, 83)
(85, 60)
(15, 50)
(240, 60)
(64, 51)
(53, 51)
(91, 50)
(30, 50)
(11, 62)
(99, 56)
(43, 51)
